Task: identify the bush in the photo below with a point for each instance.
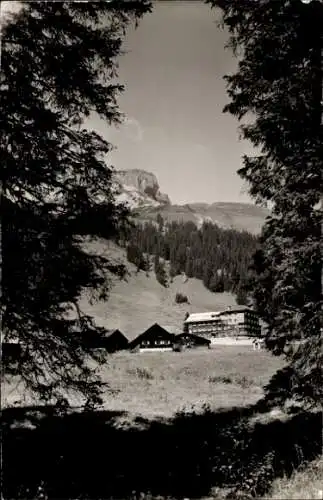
(220, 380)
(181, 298)
(179, 347)
(141, 373)
(160, 272)
(242, 297)
(136, 257)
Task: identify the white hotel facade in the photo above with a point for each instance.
(238, 321)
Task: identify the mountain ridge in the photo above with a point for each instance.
(140, 191)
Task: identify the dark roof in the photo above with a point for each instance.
(155, 330)
(114, 332)
(196, 338)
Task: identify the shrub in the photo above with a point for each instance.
(160, 272)
(220, 380)
(136, 257)
(179, 347)
(181, 298)
(243, 381)
(141, 373)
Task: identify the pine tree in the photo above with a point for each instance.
(58, 65)
(198, 253)
(189, 267)
(242, 296)
(136, 257)
(279, 82)
(160, 271)
(160, 222)
(216, 284)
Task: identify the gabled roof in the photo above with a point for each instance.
(113, 332)
(155, 329)
(195, 338)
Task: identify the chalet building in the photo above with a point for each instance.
(237, 321)
(189, 340)
(114, 341)
(155, 338)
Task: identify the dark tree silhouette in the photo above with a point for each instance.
(135, 255)
(181, 298)
(217, 256)
(160, 271)
(224, 451)
(279, 83)
(58, 65)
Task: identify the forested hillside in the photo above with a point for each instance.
(219, 257)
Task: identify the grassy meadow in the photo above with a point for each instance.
(161, 384)
(174, 425)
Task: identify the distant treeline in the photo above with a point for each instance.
(218, 257)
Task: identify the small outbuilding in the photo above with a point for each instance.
(156, 338)
(189, 340)
(114, 341)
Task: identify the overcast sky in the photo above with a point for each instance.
(174, 96)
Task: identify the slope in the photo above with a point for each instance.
(139, 301)
(240, 216)
(140, 190)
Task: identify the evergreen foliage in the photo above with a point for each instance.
(219, 257)
(181, 298)
(58, 65)
(279, 84)
(135, 255)
(160, 271)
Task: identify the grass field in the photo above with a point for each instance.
(161, 384)
(305, 484)
(197, 408)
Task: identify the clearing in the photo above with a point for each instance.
(140, 301)
(154, 385)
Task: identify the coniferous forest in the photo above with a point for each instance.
(219, 257)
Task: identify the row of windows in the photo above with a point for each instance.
(156, 342)
(226, 328)
(226, 321)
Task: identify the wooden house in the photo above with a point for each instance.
(189, 340)
(114, 341)
(154, 339)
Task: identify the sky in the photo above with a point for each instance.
(174, 96)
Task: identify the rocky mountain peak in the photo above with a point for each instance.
(140, 188)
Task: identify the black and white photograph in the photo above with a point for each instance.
(161, 249)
